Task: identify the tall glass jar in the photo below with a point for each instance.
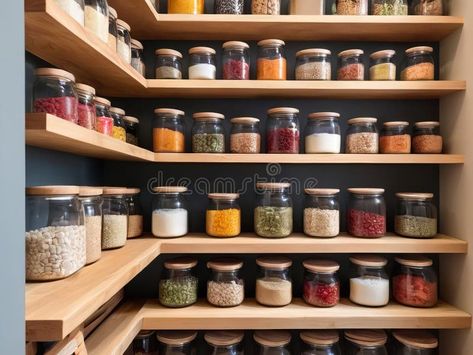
(272, 342)
(271, 63)
(229, 7)
(427, 7)
(395, 138)
(420, 64)
(118, 130)
(137, 60)
(416, 215)
(55, 238)
(322, 133)
(304, 7)
(322, 213)
(115, 218)
(85, 106)
(74, 8)
(282, 130)
(362, 136)
(352, 7)
(266, 7)
(350, 64)
(321, 283)
(223, 215)
(131, 127)
(170, 212)
(389, 7)
(415, 282)
(104, 121)
(426, 138)
(91, 199)
(191, 7)
(202, 63)
(236, 60)
(207, 133)
(313, 64)
(273, 283)
(273, 212)
(320, 342)
(112, 28)
(226, 288)
(382, 66)
(369, 282)
(96, 18)
(124, 41)
(245, 137)
(145, 343)
(135, 213)
(369, 342)
(173, 342)
(178, 287)
(224, 342)
(168, 64)
(366, 213)
(54, 93)
(168, 131)
(415, 342)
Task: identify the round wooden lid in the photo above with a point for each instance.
(387, 53)
(85, 88)
(235, 44)
(208, 116)
(145, 334)
(123, 24)
(115, 190)
(416, 338)
(419, 49)
(168, 51)
(136, 44)
(313, 51)
(320, 337)
(102, 100)
(131, 119)
(273, 185)
(321, 115)
(112, 12)
(55, 72)
(396, 124)
(224, 337)
(282, 110)
(427, 124)
(133, 191)
(414, 260)
(274, 262)
(225, 264)
(322, 266)
(369, 260)
(169, 111)
(90, 191)
(362, 120)
(170, 189)
(272, 337)
(173, 337)
(180, 263)
(223, 196)
(322, 192)
(245, 120)
(271, 43)
(415, 196)
(367, 337)
(52, 190)
(201, 50)
(366, 191)
(351, 53)
(117, 110)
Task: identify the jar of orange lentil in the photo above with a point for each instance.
(427, 138)
(419, 64)
(223, 215)
(271, 63)
(394, 138)
(168, 131)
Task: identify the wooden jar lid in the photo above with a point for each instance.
(55, 72)
(396, 124)
(144, 334)
(208, 116)
(112, 12)
(245, 120)
(133, 191)
(274, 262)
(136, 44)
(367, 337)
(123, 24)
(131, 119)
(414, 260)
(419, 49)
(271, 43)
(115, 191)
(416, 338)
(52, 190)
(170, 189)
(427, 124)
(170, 111)
(319, 115)
(117, 110)
(351, 53)
(235, 44)
(85, 88)
(322, 266)
(365, 191)
(387, 53)
(180, 263)
(225, 264)
(272, 337)
(282, 110)
(320, 337)
(313, 51)
(102, 100)
(369, 260)
(90, 191)
(168, 51)
(201, 50)
(224, 337)
(322, 192)
(415, 196)
(173, 337)
(362, 120)
(223, 196)
(273, 185)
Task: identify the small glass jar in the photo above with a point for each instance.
(119, 128)
(103, 119)
(366, 342)
(382, 65)
(415, 281)
(427, 7)
(352, 7)
(426, 138)
(273, 212)
(170, 216)
(416, 215)
(224, 342)
(172, 342)
(85, 106)
(124, 41)
(322, 213)
(369, 282)
(91, 199)
(395, 138)
(74, 8)
(415, 342)
(229, 7)
(245, 137)
(313, 64)
(350, 64)
(178, 287)
(420, 64)
(55, 238)
(168, 131)
(266, 7)
(202, 63)
(54, 93)
(112, 28)
(96, 18)
(135, 213)
(145, 343)
(168, 64)
(321, 283)
(322, 133)
(273, 283)
(223, 215)
(131, 127)
(320, 342)
(366, 213)
(389, 7)
(272, 342)
(271, 62)
(282, 130)
(208, 133)
(137, 60)
(362, 136)
(236, 60)
(226, 288)
(115, 218)
(304, 7)
(190, 7)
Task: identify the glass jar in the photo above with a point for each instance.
(103, 119)
(321, 283)
(207, 133)
(272, 342)
(85, 106)
(91, 199)
(416, 215)
(96, 18)
(168, 64)
(131, 127)
(415, 342)
(168, 131)
(282, 130)
(54, 93)
(174, 342)
(55, 238)
(369, 282)
(229, 7)
(313, 64)
(202, 63)
(236, 59)
(178, 287)
(271, 63)
(191, 7)
(137, 60)
(135, 213)
(245, 137)
(304, 7)
(224, 342)
(115, 218)
(322, 133)
(223, 215)
(112, 28)
(170, 216)
(426, 138)
(145, 343)
(266, 7)
(74, 8)
(322, 213)
(366, 342)
(362, 136)
(395, 138)
(427, 7)
(350, 64)
(119, 128)
(420, 64)
(382, 65)
(389, 7)
(124, 41)
(320, 342)
(273, 283)
(273, 212)
(366, 213)
(226, 288)
(415, 281)
(352, 7)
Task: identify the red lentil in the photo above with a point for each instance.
(397, 144)
(366, 224)
(354, 71)
(414, 291)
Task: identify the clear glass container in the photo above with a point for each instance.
(103, 119)
(178, 286)
(266, 7)
(236, 60)
(313, 64)
(132, 125)
(273, 212)
(135, 213)
(320, 342)
(321, 283)
(245, 137)
(366, 342)
(369, 282)
(352, 7)
(54, 93)
(272, 342)
(168, 64)
(124, 41)
(74, 8)
(229, 7)
(427, 7)
(282, 130)
(304, 7)
(224, 342)
(389, 7)
(395, 138)
(322, 133)
(96, 18)
(350, 64)
(145, 343)
(91, 199)
(191, 7)
(168, 131)
(112, 28)
(322, 213)
(208, 135)
(415, 342)
(415, 282)
(86, 106)
(170, 212)
(273, 283)
(416, 215)
(426, 138)
(119, 128)
(271, 62)
(202, 63)
(173, 342)
(223, 215)
(137, 59)
(362, 136)
(419, 64)
(55, 238)
(382, 66)
(226, 288)
(366, 216)
(115, 218)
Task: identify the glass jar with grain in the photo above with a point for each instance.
(395, 138)
(427, 7)
(229, 7)
(245, 137)
(320, 342)
(96, 18)
(119, 128)
(415, 342)
(369, 341)
(226, 288)
(202, 63)
(321, 283)
(176, 342)
(273, 283)
(178, 286)
(322, 213)
(350, 65)
(91, 199)
(313, 64)
(271, 63)
(420, 64)
(135, 213)
(168, 131)
(389, 8)
(224, 342)
(104, 121)
(236, 61)
(168, 64)
(426, 138)
(282, 131)
(191, 7)
(115, 217)
(137, 59)
(416, 215)
(112, 29)
(208, 134)
(382, 66)
(352, 7)
(223, 215)
(265, 7)
(362, 136)
(124, 41)
(366, 215)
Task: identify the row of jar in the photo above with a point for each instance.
(414, 282)
(278, 342)
(311, 64)
(283, 134)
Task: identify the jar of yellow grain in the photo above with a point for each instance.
(223, 216)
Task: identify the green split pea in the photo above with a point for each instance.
(178, 292)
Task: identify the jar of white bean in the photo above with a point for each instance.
(322, 213)
(225, 288)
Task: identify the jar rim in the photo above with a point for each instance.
(85, 88)
(201, 50)
(235, 45)
(245, 120)
(55, 73)
(114, 191)
(113, 12)
(272, 337)
(176, 337)
(223, 196)
(320, 337)
(180, 263)
(416, 338)
(322, 192)
(415, 196)
(102, 100)
(351, 53)
(168, 51)
(85, 191)
(208, 116)
(396, 124)
(117, 110)
(366, 191)
(272, 42)
(427, 124)
(321, 115)
(225, 264)
(52, 190)
(123, 24)
(223, 337)
(144, 334)
(419, 49)
(171, 111)
(133, 191)
(136, 44)
(274, 186)
(321, 266)
(368, 260)
(169, 189)
(385, 53)
(313, 51)
(361, 120)
(131, 119)
(414, 260)
(274, 262)
(367, 337)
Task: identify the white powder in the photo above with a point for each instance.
(73, 9)
(369, 291)
(97, 22)
(124, 51)
(168, 223)
(202, 71)
(322, 143)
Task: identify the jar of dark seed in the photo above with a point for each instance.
(207, 133)
(416, 215)
(178, 287)
(131, 127)
(168, 64)
(415, 342)
(180, 342)
(362, 136)
(245, 137)
(313, 64)
(229, 7)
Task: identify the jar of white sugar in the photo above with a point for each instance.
(169, 218)
(115, 217)
(322, 213)
(55, 238)
(322, 133)
(202, 63)
(91, 199)
(274, 284)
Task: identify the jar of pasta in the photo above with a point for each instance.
(321, 283)
(382, 66)
(416, 215)
(361, 341)
(274, 342)
(223, 216)
(245, 137)
(320, 342)
(170, 212)
(115, 217)
(207, 133)
(112, 28)
(282, 130)
(131, 127)
(271, 63)
(273, 283)
(415, 342)
(118, 131)
(178, 286)
(104, 121)
(362, 136)
(202, 63)
(191, 7)
(172, 342)
(389, 8)
(314, 64)
(419, 64)
(266, 7)
(426, 138)
(124, 41)
(366, 213)
(236, 61)
(350, 65)
(225, 288)
(322, 213)
(224, 342)
(168, 131)
(137, 60)
(395, 138)
(352, 7)
(322, 133)
(168, 64)
(86, 106)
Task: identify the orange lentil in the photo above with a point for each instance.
(396, 144)
(271, 69)
(427, 144)
(168, 140)
(421, 71)
(223, 223)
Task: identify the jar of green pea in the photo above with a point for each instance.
(178, 287)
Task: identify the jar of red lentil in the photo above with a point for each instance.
(313, 64)
(382, 65)
(361, 341)
(223, 215)
(366, 213)
(282, 130)
(271, 63)
(168, 64)
(419, 64)
(395, 138)
(119, 129)
(236, 61)
(321, 284)
(86, 106)
(426, 138)
(320, 342)
(415, 281)
(104, 121)
(416, 215)
(350, 65)
(362, 136)
(168, 131)
(245, 137)
(415, 342)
